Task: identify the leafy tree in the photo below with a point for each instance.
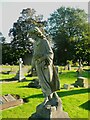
(21, 32)
(2, 41)
(68, 29)
(2, 38)
(82, 47)
(7, 56)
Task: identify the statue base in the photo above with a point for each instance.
(52, 109)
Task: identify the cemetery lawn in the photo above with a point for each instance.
(75, 101)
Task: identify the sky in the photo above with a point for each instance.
(10, 11)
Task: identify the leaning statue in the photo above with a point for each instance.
(43, 60)
(48, 79)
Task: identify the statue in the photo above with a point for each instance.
(43, 61)
(48, 78)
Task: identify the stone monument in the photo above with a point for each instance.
(7, 101)
(20, 75)
(80, 69)
(81, 82)
(48, 79)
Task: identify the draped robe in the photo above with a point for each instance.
(43, 59)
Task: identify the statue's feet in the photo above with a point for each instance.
(48, 99)
(52, 98)
(55, 95)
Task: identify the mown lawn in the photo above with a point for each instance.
(75, 101)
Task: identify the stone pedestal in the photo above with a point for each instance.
(52, 109)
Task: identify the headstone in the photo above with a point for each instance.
(81, 82)
(8, 101)
(68, 86)
(79, 70)
(65, 67)
(20, 75)
(34, 84)
(32, 72)
(69, 66)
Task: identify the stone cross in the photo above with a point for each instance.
(21, 75)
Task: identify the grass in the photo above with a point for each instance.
(74, 101)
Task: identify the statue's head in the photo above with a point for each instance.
(36, 33)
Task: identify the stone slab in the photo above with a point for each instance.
(8, 101)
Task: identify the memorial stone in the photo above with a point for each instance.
(81, 82)
(20, 75)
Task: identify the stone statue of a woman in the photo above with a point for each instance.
(43, 61)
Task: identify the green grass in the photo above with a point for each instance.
(74, 101)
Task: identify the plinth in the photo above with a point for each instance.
(52, 109)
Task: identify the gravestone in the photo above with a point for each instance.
(69, 66)
(80, 69)
(9, 100)
(81, 82)
(20, 75)
(32, 72)
(34, 84)
(68, 86)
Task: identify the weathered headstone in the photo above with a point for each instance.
(68, 86)
(81, 82)
(32, 72)
(69, 66)
(8, 101)
(34, 84)
(20, 75)
(79, 70)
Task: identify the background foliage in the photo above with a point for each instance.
(67, 27)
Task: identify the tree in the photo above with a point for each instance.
(2, 38)
(2, 41)
(68, 29)
(7, 56)
(21, 33)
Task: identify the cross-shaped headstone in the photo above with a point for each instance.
(21, 74)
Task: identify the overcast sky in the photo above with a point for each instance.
(10, 11)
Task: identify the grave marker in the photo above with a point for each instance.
(20, 75)
(8, 101)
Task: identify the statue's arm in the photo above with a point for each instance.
(48, 53)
